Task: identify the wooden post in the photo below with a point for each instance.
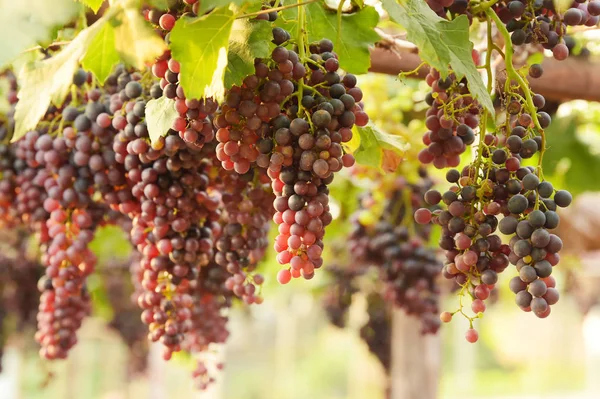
(416, 359)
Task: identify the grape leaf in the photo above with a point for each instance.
(48, 81)
(562, 143)
(24, 24)
(440, 42)
(102, 56)
(135, 41)
(93, 4)
(249, 40)
(373, 141)
(351, 42)
(200, 45)
(160, 114)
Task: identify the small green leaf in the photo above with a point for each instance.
(48, 81)
(351, 43)
(441, 43)
(372, 143)
(135, 41)
(23, 24)
(93, 4)
(563, 144)
(249, 40)
(160, 114)
(101, 56)
(201, 45)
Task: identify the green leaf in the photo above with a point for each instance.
(48, 81)
(565, 148)
(249, 40)
(351, 42)
(372, 143)
(102, 56)
(441, 43)
(135, 41)
(93, 4)
(23, 24)
(160, 114)
(201, 45)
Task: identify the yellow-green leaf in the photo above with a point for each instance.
(101, 56)
(135, 41)
(441, 43)
(249, 40)
(160, 114)
(23, 24)
(373, 142)
(201, 45)
(48, 81)
(93, 4)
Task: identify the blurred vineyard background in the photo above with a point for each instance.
(287, 349)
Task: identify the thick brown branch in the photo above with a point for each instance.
(562, 80)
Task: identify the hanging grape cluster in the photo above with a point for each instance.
(196, 202)
(498, 193)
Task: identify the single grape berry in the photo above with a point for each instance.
(536, 71)
(471, 335)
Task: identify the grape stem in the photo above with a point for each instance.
(516, 76)
(54, 44)
(268, 10)
(301, 51)
(483, 6)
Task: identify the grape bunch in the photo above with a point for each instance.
(211, 299)
(336, 302)
(450, 120)
(377, 331)
(337, 299)
(542, 23)
(19, 277)
(247, 208)
(408, 268)
(496, 193)
(172, 223)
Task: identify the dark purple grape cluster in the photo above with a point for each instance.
(19, 277)
(337, 299)
(408, 268)
(496, 193)
(540, 22)
(336, 302)
(377, 331)
(530, 21)
(451, 118)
